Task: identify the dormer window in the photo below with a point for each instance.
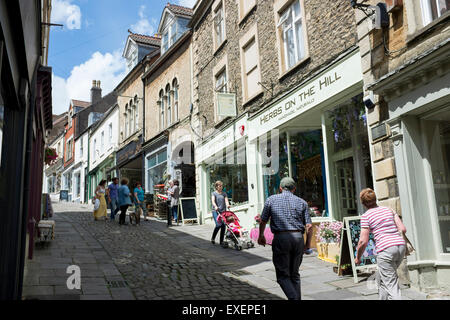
(132, 58)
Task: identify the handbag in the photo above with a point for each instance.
(409, 247)
(96, 204)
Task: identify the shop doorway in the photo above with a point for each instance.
(348, 156)
(345, 180)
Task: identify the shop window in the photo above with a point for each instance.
(433, 9)
(437, 130)
(156, 169)
(300, 155)
(229, 167)
(274, 168)
(291, 30)
(348, 156)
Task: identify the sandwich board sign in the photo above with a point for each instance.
(188, 210)
(349, 242)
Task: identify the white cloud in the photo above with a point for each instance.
(187, 3)
(144, 26)
(109, 68)
(64, 12)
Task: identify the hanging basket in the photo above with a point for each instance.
(50, 156)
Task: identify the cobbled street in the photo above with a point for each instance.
(153, 262)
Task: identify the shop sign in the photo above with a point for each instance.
(226, 104)
(321, 88)
(128, 151)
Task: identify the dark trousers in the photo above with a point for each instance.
(218, 227)
(123, 213)
(287, 250)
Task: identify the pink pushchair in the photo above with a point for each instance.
(232, 235)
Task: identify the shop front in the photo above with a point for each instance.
(419, 121)
(316, 134)
(129, 163)
(224, 158)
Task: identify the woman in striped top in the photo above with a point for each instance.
(386, 227)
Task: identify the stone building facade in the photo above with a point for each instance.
(253, 37)
(130, 99)
(168, 99)
(406, 70)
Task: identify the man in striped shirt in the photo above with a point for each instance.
(389, 243)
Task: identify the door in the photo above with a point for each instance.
(345, 183)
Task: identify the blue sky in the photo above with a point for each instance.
(90, 45)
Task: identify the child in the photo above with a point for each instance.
(235, 227)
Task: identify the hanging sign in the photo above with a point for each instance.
(226, 104)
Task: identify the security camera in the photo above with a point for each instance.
(369, 101)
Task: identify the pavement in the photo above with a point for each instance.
(154, 262)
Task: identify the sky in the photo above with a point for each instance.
(90, 45)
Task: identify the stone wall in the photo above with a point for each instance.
(132, 87)
(177, 66)
(331, 30)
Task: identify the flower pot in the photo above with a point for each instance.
(328, 251)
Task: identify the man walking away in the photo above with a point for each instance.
(113, 197)
(288, 215)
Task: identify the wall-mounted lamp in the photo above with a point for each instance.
(369, 101)
(378, 13)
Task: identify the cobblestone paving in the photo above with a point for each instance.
(153, 262)
(158, 267)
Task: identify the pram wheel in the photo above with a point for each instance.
(237, 247)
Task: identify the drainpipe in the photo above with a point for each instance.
(143, 129)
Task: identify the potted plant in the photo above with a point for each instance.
(328, 239)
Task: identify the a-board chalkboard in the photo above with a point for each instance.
(349, 242)
(64, 195)
(188, 210)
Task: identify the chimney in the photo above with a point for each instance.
(96, 91)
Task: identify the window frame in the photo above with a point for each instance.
(280, 7)
(241, 13)
(219, 68)
(219, 5)
(244, 42)
(169, 105)
(427, 11)
(176, 92)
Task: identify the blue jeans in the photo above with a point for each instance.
(114, 207)
(219, 226)
(174, 210)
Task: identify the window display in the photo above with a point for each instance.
(156, 169)
(349, 156)
(438, 140)
(233, 174)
